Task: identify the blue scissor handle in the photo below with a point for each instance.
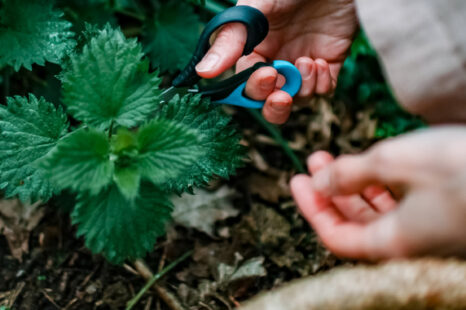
(292, 87)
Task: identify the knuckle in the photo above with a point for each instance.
(379, 156)
(232, 34)
(338, 173)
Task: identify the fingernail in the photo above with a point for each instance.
(208, 62)
(320, 65)
(305, 70)
(321, 182)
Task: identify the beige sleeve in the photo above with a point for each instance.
(422, 47)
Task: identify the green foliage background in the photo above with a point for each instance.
(361, 83)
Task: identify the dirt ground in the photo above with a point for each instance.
(245, 233)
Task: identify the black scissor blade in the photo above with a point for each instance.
(223, 89)
(170, 92)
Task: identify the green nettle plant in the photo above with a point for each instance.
(125, 152)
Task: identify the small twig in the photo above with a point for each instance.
(70, 303)
(168, 298)
(130, 269)
(164, 294)
(143, 270)
(156, 277)
(275, 133)
(205, 305)
(13, 295)
(222, 300)
(50, 299)
(88, 278)
(149, 304)
(162, 259)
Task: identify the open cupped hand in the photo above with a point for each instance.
(347, 202)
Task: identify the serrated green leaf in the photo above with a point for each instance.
(80, 161)
(171, 36)
(167, 150)
(128, 179)
(109, 82)
(32, 31)
(119, 228)
(188, 143)
(29, 129)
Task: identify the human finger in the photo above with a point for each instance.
(261, 83)
(224, 53)
(324, 80)
(277, 107)
(309, 202)
(318, 160)
(375, 240)
(353, 207)
(247, 61)
(380, 198)
(307, 68)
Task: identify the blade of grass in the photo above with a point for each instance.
(156, 277)
(277, 136)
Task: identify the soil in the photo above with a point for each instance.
(58, 272)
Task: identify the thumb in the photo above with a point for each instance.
(226, 50)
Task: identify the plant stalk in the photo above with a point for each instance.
(214, 6)
(110, 130)
(156, 277)
(277, 136)
(131, 14)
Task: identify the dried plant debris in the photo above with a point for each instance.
(17, 220)
(204, 209)
(230, 282)
(269, 188)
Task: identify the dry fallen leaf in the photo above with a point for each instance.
(319, 132)
(262, 226)
(17, 220)
(203, 210)
(251, 268)
(269, 188)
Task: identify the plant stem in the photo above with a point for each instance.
(275, 133)
(110, 130)
(157, 276)
(131, 14)
(214, 7)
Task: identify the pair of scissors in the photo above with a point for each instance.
(231, 91)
